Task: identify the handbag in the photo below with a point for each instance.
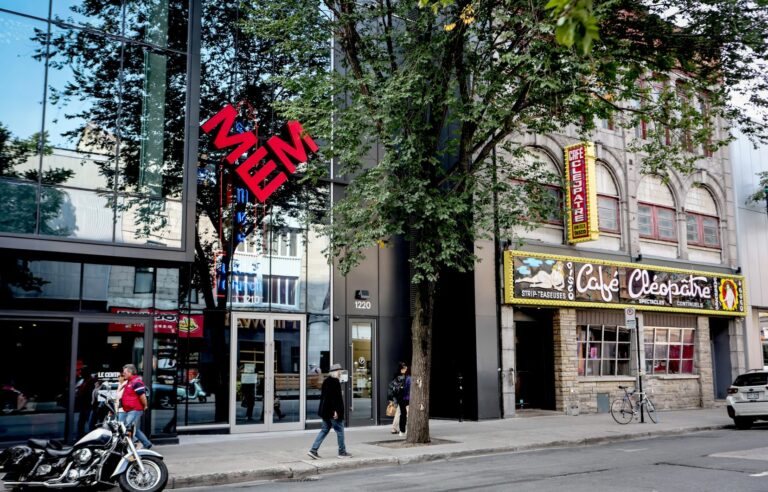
(391, 409)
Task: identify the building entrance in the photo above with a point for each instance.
(270, 377)
(535, 365)
(361, 371)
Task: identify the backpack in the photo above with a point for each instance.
(395, 389)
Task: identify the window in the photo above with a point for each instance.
(656, 222)
(608, 213)
(703, 230)
(144, 281)
(669, 350)
(603, 350)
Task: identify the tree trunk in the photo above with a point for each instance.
(421, 363)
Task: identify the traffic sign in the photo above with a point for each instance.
(630, 319)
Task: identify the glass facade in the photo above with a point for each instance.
(92, 119)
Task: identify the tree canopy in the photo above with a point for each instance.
(447, 89)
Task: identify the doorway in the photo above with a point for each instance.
(535, 365)
(363, 388)
(721, 356)
(268, 354)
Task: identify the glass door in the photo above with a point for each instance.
(104, 346)
(267, 357)
(361, 373)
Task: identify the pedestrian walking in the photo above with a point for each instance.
(134, 403)
(394, 393)
(331, 410)
(403, 395)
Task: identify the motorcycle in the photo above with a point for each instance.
(105, 455)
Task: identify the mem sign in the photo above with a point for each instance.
(551, 280)
(259, 171)
(581, 192)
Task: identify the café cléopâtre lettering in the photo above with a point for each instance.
(532, 278)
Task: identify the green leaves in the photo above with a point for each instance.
(576, 23)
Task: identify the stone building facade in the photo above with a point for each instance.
(572, 356)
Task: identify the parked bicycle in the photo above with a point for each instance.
(624, 409)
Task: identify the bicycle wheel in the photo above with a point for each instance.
(621, 410)
(651, 410)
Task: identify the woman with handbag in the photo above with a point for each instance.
(393, 408)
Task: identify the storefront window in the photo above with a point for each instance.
(603, 350)
(318, 360)
(34, 379)
(669, 350)
(762, 318)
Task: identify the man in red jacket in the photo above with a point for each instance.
(134, 403)
(331, 410)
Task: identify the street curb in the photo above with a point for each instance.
(313, 468)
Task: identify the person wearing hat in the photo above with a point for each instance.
(331, 410)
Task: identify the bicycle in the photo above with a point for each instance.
(624, 409)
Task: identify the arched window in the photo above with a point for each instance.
(542, 163)
(656, 210)
(607, 200)
(702, 224)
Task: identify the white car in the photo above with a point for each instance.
(748, 398)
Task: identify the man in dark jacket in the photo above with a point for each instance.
(331, 410)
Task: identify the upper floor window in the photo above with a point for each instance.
(702, 224)
(607, 201)
(656, 210)
(656, 222)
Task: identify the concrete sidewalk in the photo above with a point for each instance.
(219, 459)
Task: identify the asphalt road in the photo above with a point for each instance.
(724, 460)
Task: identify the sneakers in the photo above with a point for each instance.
(313, 454)
(344, 455)
(403, 434)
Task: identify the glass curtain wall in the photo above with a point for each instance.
(92, 119)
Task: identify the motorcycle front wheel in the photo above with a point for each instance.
(153, 479)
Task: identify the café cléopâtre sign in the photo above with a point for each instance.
(551, 280)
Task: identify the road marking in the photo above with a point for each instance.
(763, 474)
(633, 450)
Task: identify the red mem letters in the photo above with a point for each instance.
(255, 171)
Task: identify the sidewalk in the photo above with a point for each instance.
(200, 460)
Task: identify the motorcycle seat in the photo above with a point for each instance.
(58, 453)
(37, 443)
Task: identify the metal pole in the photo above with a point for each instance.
(639, 369)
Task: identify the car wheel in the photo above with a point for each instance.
(742, 423)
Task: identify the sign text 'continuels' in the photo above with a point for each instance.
(533, 278)
(581, 193)
(259, 171)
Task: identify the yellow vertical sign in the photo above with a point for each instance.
(581, 192)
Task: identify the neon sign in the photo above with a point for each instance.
(259, 171)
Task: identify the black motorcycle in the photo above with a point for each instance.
(105, 455)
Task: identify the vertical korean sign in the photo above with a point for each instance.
(581, 193)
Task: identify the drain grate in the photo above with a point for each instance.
(298, 479)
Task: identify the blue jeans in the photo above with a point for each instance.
(134, 418)
(338, 426)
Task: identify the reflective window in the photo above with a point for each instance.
(161, 23)
(669, 350)
(76, 213)
(318, 360)
(33, 396)
(149, 222)
(37, 8)
(105, 15)
(81, 110)
(603, 350)
(21, 93)
(152, 122)
(19, 207)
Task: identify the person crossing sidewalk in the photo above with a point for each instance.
(331, 410)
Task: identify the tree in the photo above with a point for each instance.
(446, 88)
